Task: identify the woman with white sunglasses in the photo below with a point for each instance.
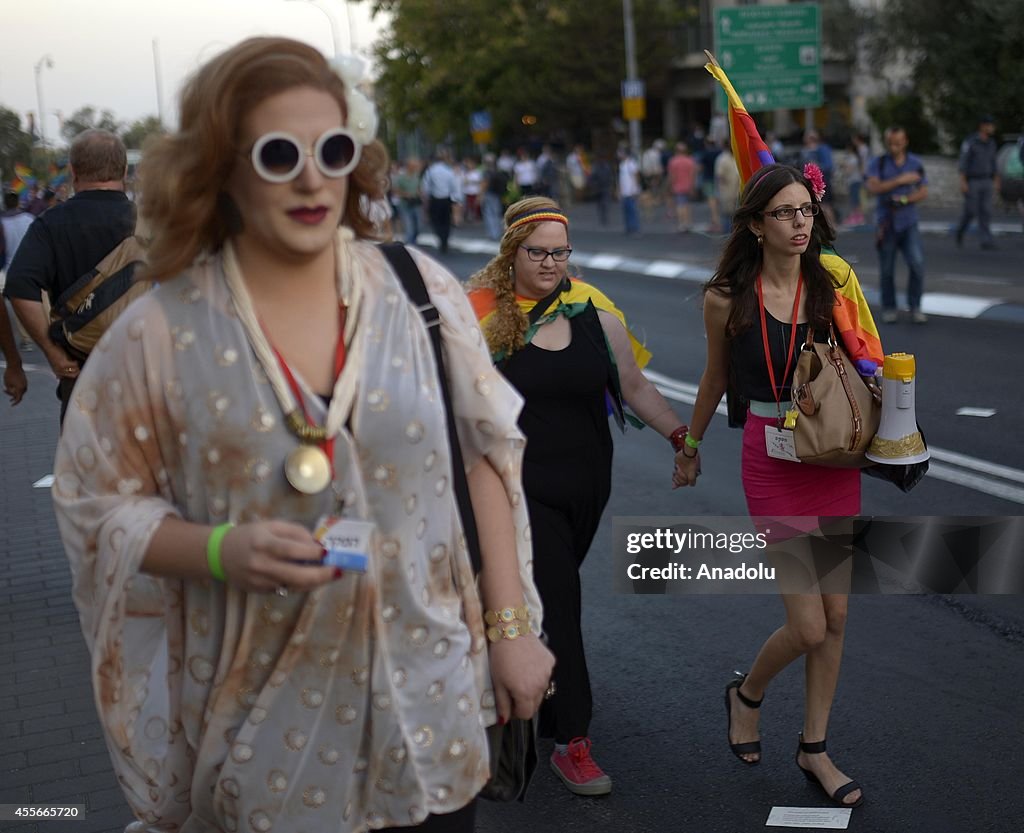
(254, 487)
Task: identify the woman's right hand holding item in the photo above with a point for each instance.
(521, 673)
(262, 556)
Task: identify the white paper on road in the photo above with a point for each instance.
(44, 482)
(976, 412)
(820, 818)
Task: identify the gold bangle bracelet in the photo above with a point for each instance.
(511, 630)
(507, 615)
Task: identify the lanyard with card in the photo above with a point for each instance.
(778, 439)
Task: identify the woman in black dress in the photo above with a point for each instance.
(565, 347)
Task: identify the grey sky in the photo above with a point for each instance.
(102, 50)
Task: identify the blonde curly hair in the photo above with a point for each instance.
(505, 331)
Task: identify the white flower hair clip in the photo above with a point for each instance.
(362, 113)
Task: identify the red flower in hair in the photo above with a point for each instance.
(813, 174)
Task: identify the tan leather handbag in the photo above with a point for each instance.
(838, 414)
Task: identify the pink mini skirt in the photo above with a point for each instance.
(780, 488)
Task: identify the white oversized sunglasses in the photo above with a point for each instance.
(279, 157)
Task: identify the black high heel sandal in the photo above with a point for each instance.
(750, 747)
(816, 749)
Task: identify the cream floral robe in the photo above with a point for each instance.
(361, 705)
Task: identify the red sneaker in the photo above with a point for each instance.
(578, 771)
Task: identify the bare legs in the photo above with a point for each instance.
(815, 627)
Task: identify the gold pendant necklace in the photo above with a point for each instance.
(308, 469)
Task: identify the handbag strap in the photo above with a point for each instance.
(412, 281)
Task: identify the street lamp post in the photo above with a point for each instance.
(330, 19)
(159, 83)
(45, 61)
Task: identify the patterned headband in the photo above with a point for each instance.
(540, 215)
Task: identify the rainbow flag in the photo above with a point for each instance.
(748, 148)
(571, 302)
(58, 175)
(22, 178)
(851, 315)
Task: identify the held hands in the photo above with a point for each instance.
(687, 469)
(262, 556)
(520, 672)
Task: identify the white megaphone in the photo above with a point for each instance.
(898, 442)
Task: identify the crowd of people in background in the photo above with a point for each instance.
(666, 180)
(478, 188)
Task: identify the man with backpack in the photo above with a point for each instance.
(68, 242)
(897, 178)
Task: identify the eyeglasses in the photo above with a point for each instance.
(540, 255)
(279, 157)
(810, 209)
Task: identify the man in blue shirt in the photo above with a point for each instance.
(897, 178)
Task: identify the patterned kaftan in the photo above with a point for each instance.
(360, 705)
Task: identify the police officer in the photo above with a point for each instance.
(978, 180)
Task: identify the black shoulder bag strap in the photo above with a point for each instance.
(409, 274)
(542, 305)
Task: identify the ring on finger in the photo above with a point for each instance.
(550, 691)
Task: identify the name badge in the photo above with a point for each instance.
(347, 542)
(780, 444)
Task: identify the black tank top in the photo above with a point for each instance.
(746, 357)
(564, 390)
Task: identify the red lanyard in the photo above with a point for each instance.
(776, 391)
(339, 363)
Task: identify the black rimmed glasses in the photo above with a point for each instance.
(538, 255)
(787, 212)
(278, 157)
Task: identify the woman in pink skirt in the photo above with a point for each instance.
(769, 288)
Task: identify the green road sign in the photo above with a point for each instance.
(772, 54)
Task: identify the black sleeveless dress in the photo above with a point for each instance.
(567, 479)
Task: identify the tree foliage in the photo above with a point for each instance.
(15, 143)
(906, 111)
(842, 21)
(138, 131)
(966, 58)
(87, 118)
(561, 61)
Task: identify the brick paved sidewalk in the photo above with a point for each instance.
(51, 747)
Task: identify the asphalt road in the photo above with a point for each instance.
(924, 716)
